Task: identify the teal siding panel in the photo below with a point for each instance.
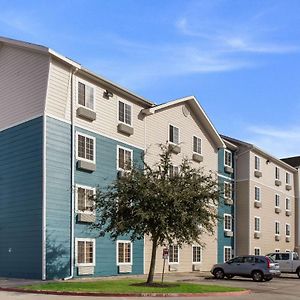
(106, 172)
(21, 200)
(58, 193)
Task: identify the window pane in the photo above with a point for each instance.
(196, 254)
(127, 160)
(89, 200)
(121, 112)
(127, 114)
(80, 252)
(81, 93)
(81, 146)
(81, 198)
(127, 252)
(89, 149)
(121, 252)
(176, 135)
(121, 158)
(89, 252)
(171, 136)
(89, 97)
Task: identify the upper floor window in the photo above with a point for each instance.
(227, 253)
(257, 163)
(173, 134)
(287, 178)
(173, 254)
(125, 113)
(197, 145)
(85, 198)
(287, 229)
(197, 254)
(124, 158)
(277, 228)
(86, 95)
(227, 222)
(228, 158)
(86, 147)
(257, 224)
(173, 170)
(277, 173)
(227, 190)
(277, 200)
(257, 194)
(287, 204)
(124, 252)
(85, 252)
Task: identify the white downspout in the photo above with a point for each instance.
(72, 177)
(235, 204)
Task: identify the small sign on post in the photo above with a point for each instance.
(165, 255)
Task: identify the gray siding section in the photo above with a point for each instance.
(21, 200)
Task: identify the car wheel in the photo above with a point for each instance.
(257, 276)
(219, 273)
(229, 276)
(298, 272)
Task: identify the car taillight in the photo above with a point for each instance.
(268, 262)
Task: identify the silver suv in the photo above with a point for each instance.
(258, 267)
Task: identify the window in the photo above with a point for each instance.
(125, 113)
(277, 173)
(197, 145)
(197, 254)
(85, 198)
(173, 170)
(86, 95)
(227, 158)
(227, 190)
(277, 250)
(256, 251)
(86, 147)
(287, 230)
(287, 178)
(124, 158)
(287, 204)
(85, 252)
(227, 222)
(277, 228)
(277, 200)
(257, 224)
(257, 163)
(173, 254)
(173, 134)
(227, 253)
(257, 193)
(124, 252)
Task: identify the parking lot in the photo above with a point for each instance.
(283, 288)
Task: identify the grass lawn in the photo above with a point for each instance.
(129, 286)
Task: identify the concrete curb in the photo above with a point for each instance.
(20, 290)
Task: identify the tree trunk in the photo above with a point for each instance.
(153, 260)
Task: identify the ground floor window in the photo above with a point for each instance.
(124, 252)
(173, 254)
(227, 253)
(197, 254)
(85, 252)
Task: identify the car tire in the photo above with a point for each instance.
(219, 273)
(229, 276)
(257, 276)
(298, 272)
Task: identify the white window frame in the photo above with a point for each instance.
(94, 147)
(230, 216)
(277, 173)
(118, 109)
(230, 184)
(171, 170)
(131, 253)
(174, 263)
(258, 159)
(259, 250)
(86, 83)
(125, 149)
(289, 225)
(224, 252)
(277, 250)
(277, 196)
(197, 246)
(169, 134)
(198, 138)
(259, 222)
(227, 151)
(259, 189)
(288, 177)
(288, 200)
(277, 233)
(76, 252)
(76, 198)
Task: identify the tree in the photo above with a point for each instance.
(167, 206)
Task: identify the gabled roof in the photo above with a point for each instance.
(293, 161)
(46, 50)
(199, 112)
(252, 147)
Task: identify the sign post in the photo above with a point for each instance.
(165, 256)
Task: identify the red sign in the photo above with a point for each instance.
(165, 253)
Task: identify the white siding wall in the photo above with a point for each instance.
(23, 84)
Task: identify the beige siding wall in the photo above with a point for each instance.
(59, 99)
(242, 218)
(243, 164)
(23, 83)
(157, 131)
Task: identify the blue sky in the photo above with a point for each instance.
(241, 59)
